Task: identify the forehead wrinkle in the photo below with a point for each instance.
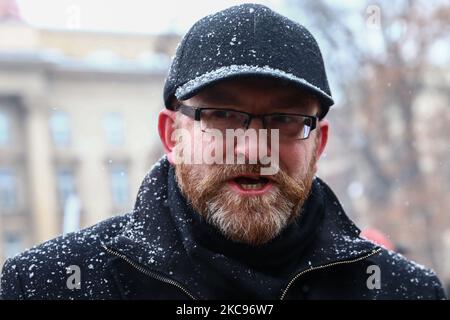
(219, 96)
(270, 101)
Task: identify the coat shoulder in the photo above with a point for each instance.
(42, 272)
(405, 279)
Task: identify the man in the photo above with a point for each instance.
(220, 217)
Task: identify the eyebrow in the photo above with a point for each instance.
(289, 101)
(293, 102)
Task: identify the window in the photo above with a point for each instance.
(12, 244)
(114, 128)
(65, 182)
(8, 189)
(60, 128)
(119, 186)
(4, 129)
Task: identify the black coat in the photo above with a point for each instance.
(156, 252)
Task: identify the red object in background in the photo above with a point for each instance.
(377, 237)
(9, 11)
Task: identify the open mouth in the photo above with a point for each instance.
(251, 184)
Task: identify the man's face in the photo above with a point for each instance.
(227, 195)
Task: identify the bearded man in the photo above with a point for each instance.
(233, 210)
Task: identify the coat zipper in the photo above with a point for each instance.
(298, 275)
(149, 273)
(185, 291)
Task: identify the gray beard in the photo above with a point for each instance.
(265, 216)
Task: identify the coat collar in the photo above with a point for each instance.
(151, 239)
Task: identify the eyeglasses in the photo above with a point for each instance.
(290, 125)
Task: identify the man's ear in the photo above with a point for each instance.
(322, 139)
(166, 120)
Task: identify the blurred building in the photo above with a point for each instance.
(78, 131)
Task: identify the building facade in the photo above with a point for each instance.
(78, 127)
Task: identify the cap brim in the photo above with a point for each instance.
(194, 86)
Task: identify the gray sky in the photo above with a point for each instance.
(124, 15)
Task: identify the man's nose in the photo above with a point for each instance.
(248, 146)
(255, 123)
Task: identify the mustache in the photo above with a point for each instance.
(218, 175)
(224, 172)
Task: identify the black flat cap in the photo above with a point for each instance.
(247, 40)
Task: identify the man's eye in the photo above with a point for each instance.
(220, 114)
(282, 119)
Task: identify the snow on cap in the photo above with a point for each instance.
(247, 40)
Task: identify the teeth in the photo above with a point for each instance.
(254, 186)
